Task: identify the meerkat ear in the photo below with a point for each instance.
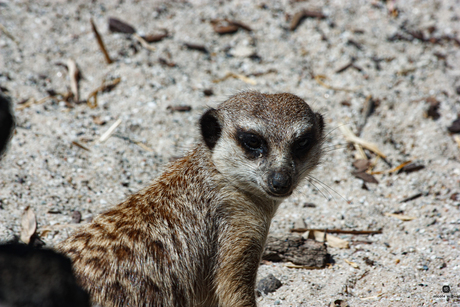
(210, 128)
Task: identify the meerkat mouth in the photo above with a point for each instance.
(284, 195)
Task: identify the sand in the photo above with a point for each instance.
(396, 67)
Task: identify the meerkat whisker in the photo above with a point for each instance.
(326, 186)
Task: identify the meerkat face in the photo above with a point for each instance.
(264, 144)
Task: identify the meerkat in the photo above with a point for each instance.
(195, 236)
(31, 276)
(6, 123)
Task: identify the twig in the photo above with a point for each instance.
(299, 16)
(26, 104)
(7, 33)
(103, 87)
(305, 267)
(402, 217)
(80, 145)
(101, 43)
(405, 200)
(110, 131)
(354, 232)
(351, 137)
(138, 143)
(397, 168)
(143, 42)
(73, 75)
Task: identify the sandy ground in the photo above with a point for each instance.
(395, 66)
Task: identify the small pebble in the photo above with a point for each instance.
(268, 284)
(76, 217)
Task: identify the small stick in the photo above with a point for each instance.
(340, 70)
(354, 232)
(138, 143)
(143, 42)
(405, 200)
(110, 131)
(304, 14)
(240, 24)
(402, 217)
(198, 47)
(80, 145)
(351, 137)
(26, 104)
(101, 88)
(73, 75)
(7, 33)
(101, 43)
(397, 168)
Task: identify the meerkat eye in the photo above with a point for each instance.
(302, 145)
(252, 143)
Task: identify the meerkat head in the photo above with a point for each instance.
(263, 144)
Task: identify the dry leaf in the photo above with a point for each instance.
(353, 264)
(228, 29)
(332, 241)
(98, 120)
(198, 47)
(402, 217)
(180, 108)
(412, 167)
(116, 25)
(455, 126)
(433, 109)
(29, 225)
(365, 176)
(153, 38)
(361, 165)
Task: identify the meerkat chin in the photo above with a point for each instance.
(195, 236)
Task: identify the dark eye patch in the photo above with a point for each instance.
(253, 144)
(303, 144)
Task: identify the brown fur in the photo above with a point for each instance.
(196, 235)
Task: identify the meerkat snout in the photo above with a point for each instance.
(280, 182)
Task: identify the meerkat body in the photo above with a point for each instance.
(196, 235)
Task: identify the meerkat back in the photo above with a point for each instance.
(195, 236)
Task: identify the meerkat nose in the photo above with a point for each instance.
(280, 182)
